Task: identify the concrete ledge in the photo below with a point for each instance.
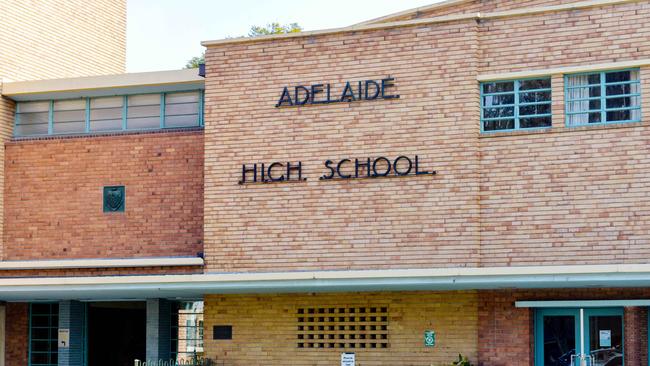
(564, 70)
(101, 263)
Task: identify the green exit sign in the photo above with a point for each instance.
(429, 338)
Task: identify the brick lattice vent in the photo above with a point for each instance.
(342, 327)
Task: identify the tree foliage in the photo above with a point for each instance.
(255, 31)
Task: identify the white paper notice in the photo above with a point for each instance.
(605, 338)
(347, 359)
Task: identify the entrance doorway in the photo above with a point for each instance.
(116, 333)
(563, 334)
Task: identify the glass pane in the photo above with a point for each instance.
(143, 123)
(108, 113)
(31, 118)
(501, 124)
(559, 340)
(69, 105)
(585, 105)
(182, 121)
(535, 109)
(499, 87)
(617, 76)
(624, 115)
(143, 111)
(606, 340)
(40, 346)
(495, 100)
(618, 89)
(109, 102)
(144, 99)
(106, 125)
(535, 97)
(535, 84)
(186, 108)
(618, 102)
(33, 107)
(190, 97)
(535, 122)
(69, 127)
(39, 358)
(69, 116)
(498, 112)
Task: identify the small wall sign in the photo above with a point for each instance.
(429, 338)
(348, 359)
(64, 338)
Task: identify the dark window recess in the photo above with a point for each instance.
(114, 199)
(222, 332)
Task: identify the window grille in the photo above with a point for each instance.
(516, 104)
(603, 97)
(43, 334)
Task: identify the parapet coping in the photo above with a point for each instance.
(423, 21)
(100, 263)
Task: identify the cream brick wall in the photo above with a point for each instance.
(46, 39)
(420, 221)
(265, 328)
(520, 198)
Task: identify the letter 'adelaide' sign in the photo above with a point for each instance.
(322, 93)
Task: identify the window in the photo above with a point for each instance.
(342, 327)
(516, 104)
(603, 97)
(186, 330)
(32, 118)
(43, 334)
(106, 114)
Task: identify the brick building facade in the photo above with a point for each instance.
(467, 177)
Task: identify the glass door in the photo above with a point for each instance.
(604, 338)
(559, 336)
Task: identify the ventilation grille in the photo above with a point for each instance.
(349, 327)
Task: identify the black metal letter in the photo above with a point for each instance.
(316, 89)
(270, 172)
(338, 169)
(386, 84)
(294, 168)
(348, 93)
(328, 165)
(358, 165)
(396, 165)
(285, 98)
(417, 168)
(377, 89)
(374, 167)
(245, 170)
(297, 99)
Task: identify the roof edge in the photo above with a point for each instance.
(127, 80)
(399, 14)
(413, 22)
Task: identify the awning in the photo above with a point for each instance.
(439, 279)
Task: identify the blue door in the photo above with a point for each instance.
(559, 336)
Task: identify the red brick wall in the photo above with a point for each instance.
(17, 334)
(53, 205)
